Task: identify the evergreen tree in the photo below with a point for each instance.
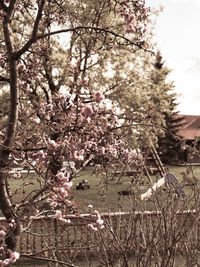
(169, 143)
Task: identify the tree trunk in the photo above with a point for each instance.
(6, 145)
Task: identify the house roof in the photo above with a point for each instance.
(191, 127)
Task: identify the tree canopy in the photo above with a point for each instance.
(52, 54)
(78, 84)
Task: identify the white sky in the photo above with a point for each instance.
(178, 38)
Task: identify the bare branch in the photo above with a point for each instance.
(33, 37)
(4, 79)
(97, 29)
(11, 7)
(5, 203)
(49, 260)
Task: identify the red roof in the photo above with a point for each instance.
(191, 129)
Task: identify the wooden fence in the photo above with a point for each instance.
(137, 233)
(134, 232)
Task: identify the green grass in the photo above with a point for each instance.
(105, 198)
(103, 193)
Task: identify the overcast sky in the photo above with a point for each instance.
(178, 38)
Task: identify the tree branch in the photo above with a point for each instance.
(33, 37)
(11, 7)
(4, 79)
(49, 260)
(97, 29)
(5, 204)
(3, 6)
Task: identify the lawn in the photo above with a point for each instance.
(103, 192)
(104, 195)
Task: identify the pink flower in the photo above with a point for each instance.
(65, 220)
(100, 222)
(14, 256)
(36, 120)
(12, 223)
(79, 155)
(52, 143)
(68, 185)
(84, 82)
(2, 234)
(21, 68)
(87, 111)
(58, 214)
(62, 176)
(17, 174)
(101, 150)
(98, 96)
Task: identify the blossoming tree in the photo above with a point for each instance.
(56, 111)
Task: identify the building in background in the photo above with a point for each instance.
(190, 132)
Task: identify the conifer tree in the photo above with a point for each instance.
(169, 143)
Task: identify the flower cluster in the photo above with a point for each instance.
(2, 234)
(98, 224)
(14, 256)
(61, 189)
(59, 216)
(134, 14)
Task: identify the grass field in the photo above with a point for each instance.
(103, 193)
(105, 196)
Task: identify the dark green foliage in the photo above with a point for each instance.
(169, 144)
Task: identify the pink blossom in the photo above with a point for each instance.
(21, 68)
(2, 234)
(98, 96)
(52, 143)
(98, 224)
(61, 192)
(58, 214)
(6, 262)
(68, 185)
(84, 82)
(79, 155)
(87, 111)
(14, 256)
(102, 150)
(17, 174)
(12, 223)
(36, 120)
(42, 154)
(49, 107)
(62, 176)
(65, 220)
(130, 28)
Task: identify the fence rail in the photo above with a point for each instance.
(46, 236)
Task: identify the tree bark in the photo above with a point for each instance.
(6, 146)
